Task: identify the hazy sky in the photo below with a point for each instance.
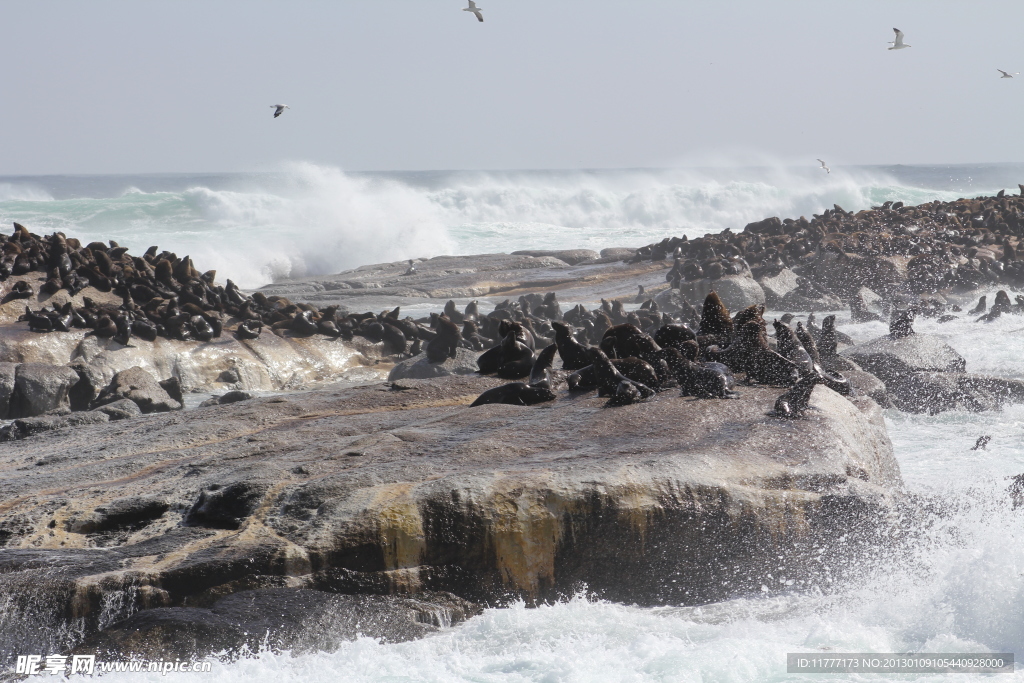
(180, 85)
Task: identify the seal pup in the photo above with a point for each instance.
(446, 343)
(793, 403)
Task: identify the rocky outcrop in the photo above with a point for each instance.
(293, 619)
(573, 257)
(138, 386)
(419, 367)
(402, 488)
(40, 388)
(922, 374)
(736, 291)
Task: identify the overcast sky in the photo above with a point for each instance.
(180, 85)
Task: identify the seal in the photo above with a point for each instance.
(516, 358)
(793, 403)
(790, 347)
(608, 378)
(807, 340)
(714, 318)
(515, 394)
(445, 343)
(573, 354)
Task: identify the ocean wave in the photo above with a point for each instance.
(309, 219)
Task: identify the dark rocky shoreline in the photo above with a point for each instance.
(397, 507)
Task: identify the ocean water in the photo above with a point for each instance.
(953, 583)
(306, 219)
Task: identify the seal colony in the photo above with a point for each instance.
(897, 251)
(629, 357)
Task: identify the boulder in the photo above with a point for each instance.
(776, 287)
(795, 301)
(736, 291)
(890, 359)
(618, 253)
(121, 409)
(40, 389)
(418, 367)
(869, 385)
(141, 387)
(570, 256)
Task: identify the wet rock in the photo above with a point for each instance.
(298, 620)
(869, 385)
(419, 367)
(141, 387)
(40, 388)
(890, 359)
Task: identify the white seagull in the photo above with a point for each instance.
(1008, 75)
(475, 10)
(279, 109)
(824, 166)
(898, 43)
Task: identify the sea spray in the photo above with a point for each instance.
(310, 219)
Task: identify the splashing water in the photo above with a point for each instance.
(309, 219)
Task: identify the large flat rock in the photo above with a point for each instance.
(404, 488)
(497, 276)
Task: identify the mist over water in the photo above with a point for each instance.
(309, 220)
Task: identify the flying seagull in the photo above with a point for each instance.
(279, 109)
(475, 10)
(824, 166)
(898, 43)
(1007, 75)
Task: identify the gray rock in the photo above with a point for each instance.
(121, 409)
(795, 301)
(8, 372)
(419, 367)
(571, 256)
(776, 287)
(736, 291)
(869, 385)
(29, 426)
(618, 253)
(142, 388)
(890, 359)
(40, 388)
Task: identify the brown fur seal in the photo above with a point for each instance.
(714, 319)
(794, 402)
(574, 355)
(446, 343)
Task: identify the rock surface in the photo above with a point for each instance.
(736, 291)
(419, 367)
(140, 387)
(403, 488)
(293, 619)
